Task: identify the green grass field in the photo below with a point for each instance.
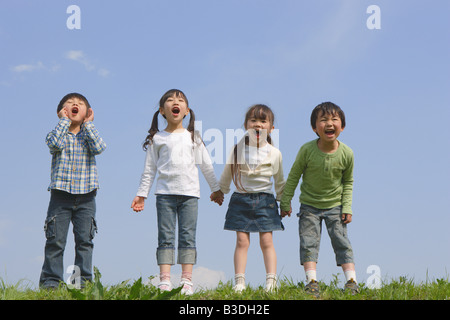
(399, 289)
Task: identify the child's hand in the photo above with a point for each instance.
(63, 113)
(286, 213)
(346, 218)
(89, 115)
(217, 197)
(138, 204)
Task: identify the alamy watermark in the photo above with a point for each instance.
(220, 146)
(74, 280)
(374, 20)
(374, 280)
(74, 20)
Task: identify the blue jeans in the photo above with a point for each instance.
(169, 209)
(310, 229)
(64, 208)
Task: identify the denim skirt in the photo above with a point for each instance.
(253, 212)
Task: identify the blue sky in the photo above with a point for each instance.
(392, 83)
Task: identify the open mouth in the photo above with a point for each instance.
(329, 132)
(257, 133)
(74, 110)
(176, 111)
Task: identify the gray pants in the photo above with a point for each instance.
(310, 229)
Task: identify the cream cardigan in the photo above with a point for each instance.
(257, 178)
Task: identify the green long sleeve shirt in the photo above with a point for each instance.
(327, 178)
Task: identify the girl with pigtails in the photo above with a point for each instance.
(174, 155)
(255, 167)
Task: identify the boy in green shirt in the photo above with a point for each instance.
(326, 168)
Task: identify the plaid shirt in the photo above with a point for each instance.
(73, 157)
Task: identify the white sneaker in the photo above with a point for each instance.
(165, 285)
(239, 279)
(187, 287)
(239, 288)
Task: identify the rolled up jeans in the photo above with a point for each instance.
(171, 208)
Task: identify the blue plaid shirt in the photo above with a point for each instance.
(74, 168)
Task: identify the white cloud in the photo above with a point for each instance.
(205, 278)
(103, 72)
(80, 57)
(28, 67)
(38, 66)
(73, 55)
(76, 55)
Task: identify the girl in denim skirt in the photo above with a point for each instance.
(254, 166)
(174, 155)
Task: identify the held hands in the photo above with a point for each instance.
(286, 213)
(217, 197)
(346, 218)
(138, 204)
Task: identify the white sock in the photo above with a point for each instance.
(310, 275)
(239, 278)
(350, 274)
(271, 279)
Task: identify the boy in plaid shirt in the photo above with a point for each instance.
(73, 144)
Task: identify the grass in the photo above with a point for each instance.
(398, 289)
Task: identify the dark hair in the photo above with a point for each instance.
(327, 108)
(70, 96)
(259, 111)
(154, 126)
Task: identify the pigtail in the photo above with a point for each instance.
(152, 131)
(195, 135)
(236, 167)
(191, 125)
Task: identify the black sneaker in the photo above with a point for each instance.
(312, 288)
(351, 286)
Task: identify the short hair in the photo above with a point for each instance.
(70, 96)
(327, 108)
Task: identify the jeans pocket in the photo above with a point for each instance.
(94, 228)
(301, 211)
(271, 202)
(50, 228)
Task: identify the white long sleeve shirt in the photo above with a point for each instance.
(174, 158)
(258, 166)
